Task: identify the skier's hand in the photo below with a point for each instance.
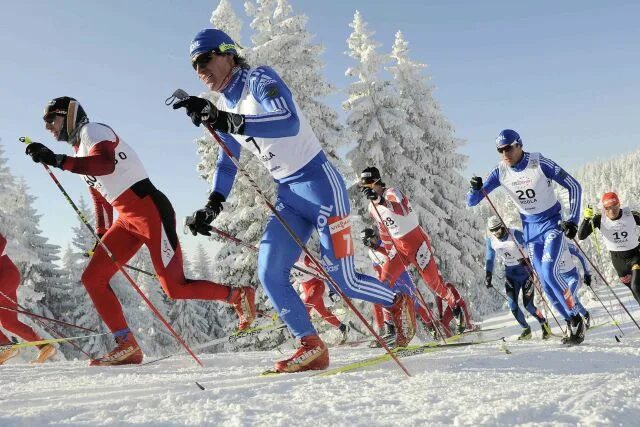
(587, 280)
(588, 213)
(333, 297)
(41, 154)
(476, 183)
(488, 278)
(569, 228)
(199, 109)
(201, 219)
(371, 194)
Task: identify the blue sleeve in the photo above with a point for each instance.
(519, 236)
(491, 183)
(552, 171)
(226, 171)
(281, 118)
(583, 261)
(490, 256)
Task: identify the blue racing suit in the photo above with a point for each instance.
(542, 232)
(311, 194)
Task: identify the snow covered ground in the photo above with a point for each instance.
(539, 383)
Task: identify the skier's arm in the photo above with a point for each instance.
(636, 217)
(588, 225)
(491, 183)
(583, 261)
(226, 171)
(396, 201)
(281, 118)
(103, 211)
(490, 256)
(552, 171)
(100, 161)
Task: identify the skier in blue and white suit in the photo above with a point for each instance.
(527, 179)
(257, 111)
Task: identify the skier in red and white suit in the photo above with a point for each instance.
(313, 288)
(399, 228)
(448, 314)
(117, 178)
(9, 282)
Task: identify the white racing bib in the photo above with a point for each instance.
(129, 168)
(530, 189)
(507, 249)
(620, 234)
(281, 156)
(398, 224)
(423, 256)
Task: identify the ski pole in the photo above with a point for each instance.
(605, 309)
(50, 341)
(181, 94)
(597, 245)
(605, 281)
(85, 221)
(48, 328)
(188, 220)
(37, 316)
(89, 254)
(537, 283)
(504, 297)
(406, 263)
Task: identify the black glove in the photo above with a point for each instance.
(570, 229)
(333, 296)
(201, 110)
(488, 278)
(587, 279)
(456, 310)
(371, 194)
(41, 154)
(476, 183)
(201, 219)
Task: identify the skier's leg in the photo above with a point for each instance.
(422, 258)
(634, 285)
(528, 295)
(317, 302)
(554, 246)
(123, 245)
(9, 282)
(573, 279)
(535, 255)
(512, 289)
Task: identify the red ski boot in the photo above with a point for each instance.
(312, 355)
(127, 352)
(243, 302)
(404, 318)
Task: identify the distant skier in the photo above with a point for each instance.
(117, 179)
(256, 110)
(518, 275)
(399, 229)
(463, 318)
(527, 179)
(313, 288)
(9, 282)
(619, 228)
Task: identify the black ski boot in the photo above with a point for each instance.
(546, 330)
(576, 328)
(587, 320)
(344, 330)
(526, 334)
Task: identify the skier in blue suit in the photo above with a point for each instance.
(257, 111)
(527, 178)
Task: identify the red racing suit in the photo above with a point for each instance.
(313, 289)
(117, 179)
(398, 227)
(447, 317)
(9, 281)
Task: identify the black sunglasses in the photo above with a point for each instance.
(50, 117)
(505, 148)
(203, 59)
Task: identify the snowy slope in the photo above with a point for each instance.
(540, 383)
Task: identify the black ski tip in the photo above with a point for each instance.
(199, 385)
(617, 339)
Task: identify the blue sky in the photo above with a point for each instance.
(564, 74)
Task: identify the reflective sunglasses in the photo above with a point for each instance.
(203, 59)
(505, 148)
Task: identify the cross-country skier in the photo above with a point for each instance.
(527, 179)
(313, 287)
(400, 230)
(9, 282)
(518, 274)
(117, 179)
(256, 110)
(619, 228)
(463, 317)
(379, 256)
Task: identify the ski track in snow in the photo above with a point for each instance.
(540, 383)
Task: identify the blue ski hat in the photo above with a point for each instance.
(211, 39)
(508, 137)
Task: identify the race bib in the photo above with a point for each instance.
(423, 256)
(340, 230)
